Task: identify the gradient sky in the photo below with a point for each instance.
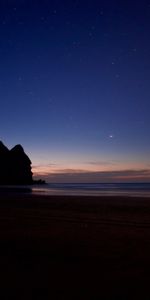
(75, 87)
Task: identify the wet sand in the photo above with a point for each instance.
(71, 247)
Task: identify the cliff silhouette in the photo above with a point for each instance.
(15, 166)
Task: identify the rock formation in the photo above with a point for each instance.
(15, 166)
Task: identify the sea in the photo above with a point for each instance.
(83, 189)
(94, 189)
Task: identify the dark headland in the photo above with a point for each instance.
(15, 167)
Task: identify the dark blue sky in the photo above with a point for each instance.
(74, 84)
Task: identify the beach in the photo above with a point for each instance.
(74, 247)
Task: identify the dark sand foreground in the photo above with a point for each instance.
(65, 247)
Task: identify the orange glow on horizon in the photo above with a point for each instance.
(46, 169)
(91, 172)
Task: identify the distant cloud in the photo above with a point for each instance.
(103, 163)
(43, 169)
(43, 165)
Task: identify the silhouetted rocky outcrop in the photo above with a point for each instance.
(15, 166)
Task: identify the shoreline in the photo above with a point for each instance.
(74, 247)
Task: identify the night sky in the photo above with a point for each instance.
(75, 87)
